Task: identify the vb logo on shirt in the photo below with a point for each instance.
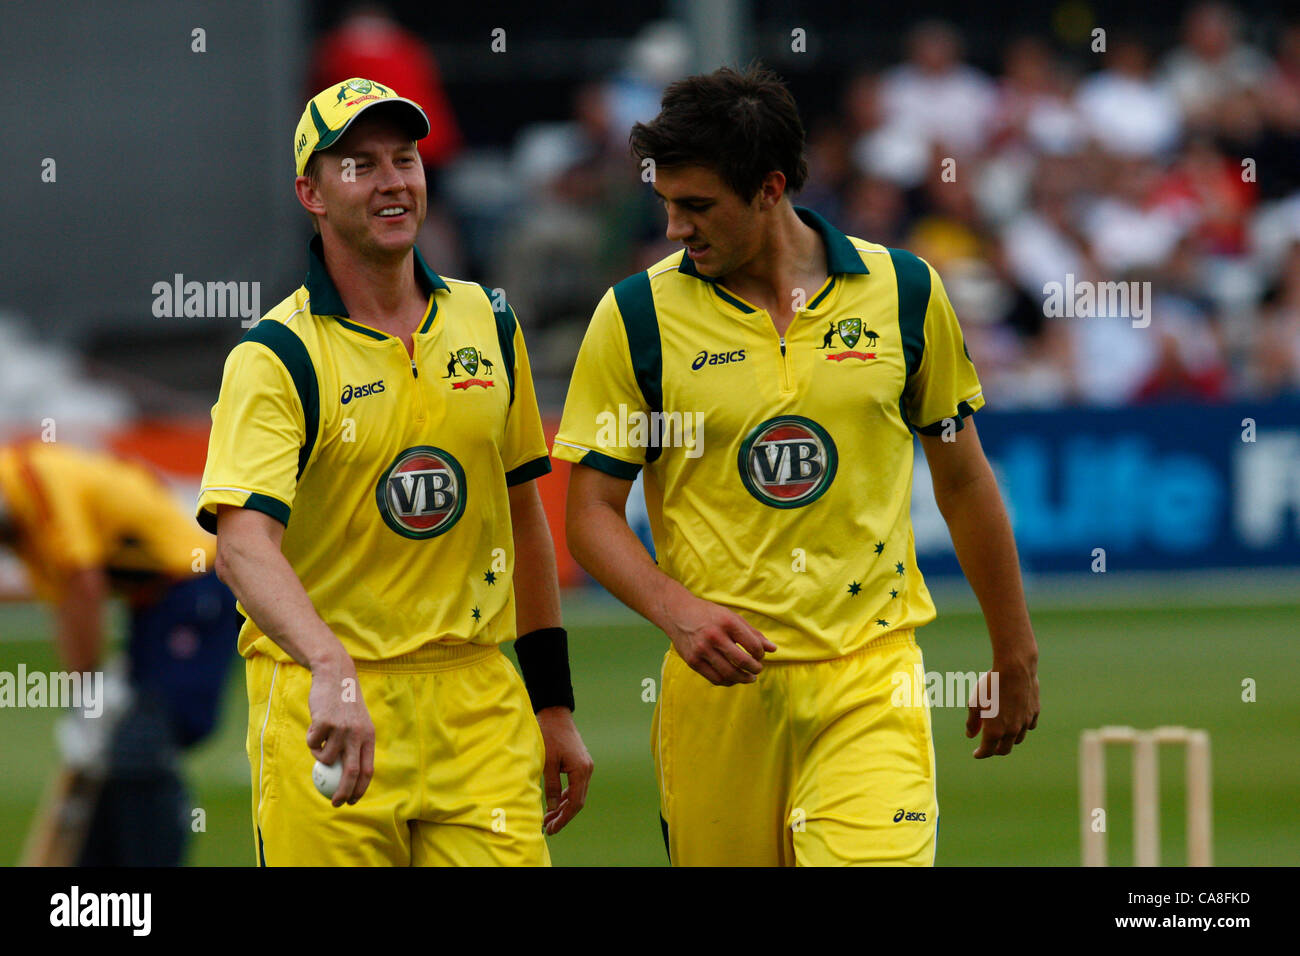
(787, 462)
(422, 493)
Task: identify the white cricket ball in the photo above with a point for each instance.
(327, 777)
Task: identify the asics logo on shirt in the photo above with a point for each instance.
(717, 358)
(360, 391)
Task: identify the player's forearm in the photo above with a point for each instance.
(261, 578)
(609, 550)
(537, 593)
(80, 617)
(542, 645)
(985, 546)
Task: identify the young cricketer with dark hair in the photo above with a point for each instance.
(786, 576)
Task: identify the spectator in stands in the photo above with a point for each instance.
(1275, 362)
(950, 230)
(369, 42)
(830, 168)
(1128, 112)
(1206, 193)
(896, 151)
(1044, 243)
(1277, 150)
(1125, 229)
(948, 103)
(1034, 107)
(875, 209)
(1190, 360)
(1211, 65)
(584, 202)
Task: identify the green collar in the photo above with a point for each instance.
(841, 256)
(325, 298)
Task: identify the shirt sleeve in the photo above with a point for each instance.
(602, 393)
(523, 452)
(258, 431)
(944, 385)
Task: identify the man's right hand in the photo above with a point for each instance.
(715, 641)
(341, 727)
(251, 563)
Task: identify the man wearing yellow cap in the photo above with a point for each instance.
(371, 501)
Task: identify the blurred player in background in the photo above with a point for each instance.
(87, 527)
(371, 499)
(778, 486)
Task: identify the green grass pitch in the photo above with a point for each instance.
(1100, 666)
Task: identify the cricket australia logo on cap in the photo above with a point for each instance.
(361, 88)
(787, 462)
(422, 493)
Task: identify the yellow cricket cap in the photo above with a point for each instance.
(331, 111)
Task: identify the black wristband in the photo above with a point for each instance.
(544, 661)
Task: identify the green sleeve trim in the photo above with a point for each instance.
(528, 471)
(636, 304)
(913, 278)
(274, 507)
(507, 322)
(610, 466)
(963, 410)
(288, 348)
(207, 520)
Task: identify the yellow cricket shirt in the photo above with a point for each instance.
(389, 473)
(778, 474)
(77, 509)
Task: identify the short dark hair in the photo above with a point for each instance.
(741, 125)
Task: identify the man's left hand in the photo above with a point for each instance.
(1004, 705)
(565, 754)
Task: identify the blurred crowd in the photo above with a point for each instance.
(1177, 170)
